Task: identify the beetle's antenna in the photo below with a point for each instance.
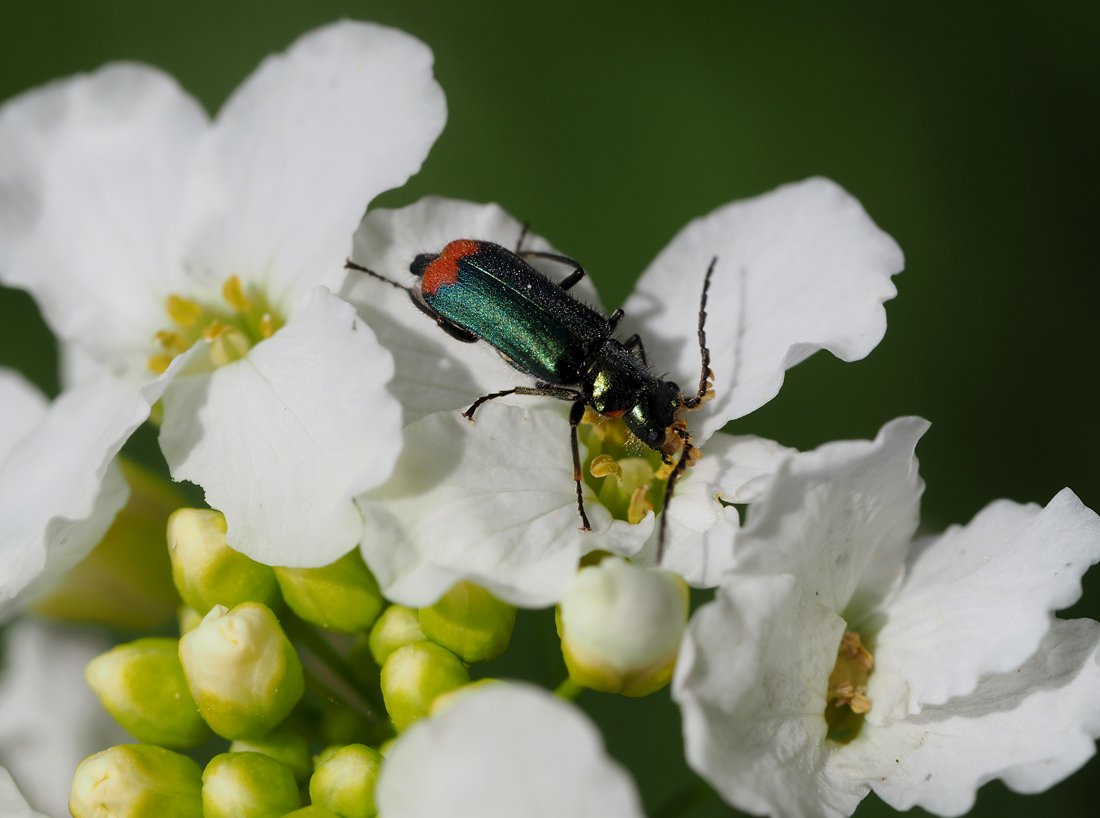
(680, 468)
(705, 375)
(351, 265)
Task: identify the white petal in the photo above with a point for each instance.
(283, 439)
(434, 371)
(701, 529)
(21, 409)
(12, 802)
(350, 110)
(799, 269)
(92, 176)
(493, 502)
(751, 682)
(504, 751)
(978, 599)
(59, 486)
(1031, 727)
(49, 719)
(840, 518)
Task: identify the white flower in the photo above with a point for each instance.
(140, 227)
(840, 657)
(799, 269)
(59, 485)
(49, 719)
(501, 751)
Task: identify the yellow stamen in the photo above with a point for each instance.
(603, 465)
(227, 344)
(160, 363)
(267, 325)
(234, 296)
(639, 505)
(183, 311)
(848, 681)
(214, 329)
(171, 341)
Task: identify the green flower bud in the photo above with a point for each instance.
(141, 684)
(207, 572)
(311, 812)
(126, 581)
(285, 746)
(247, 785)
(344, 781)
(396, 627)
(470, 622)
(620, 627)
(242, 670)
(414, 675)
(136, 781)
(343, 596)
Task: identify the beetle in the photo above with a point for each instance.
(480, 291)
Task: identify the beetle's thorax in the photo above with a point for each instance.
(617, 384)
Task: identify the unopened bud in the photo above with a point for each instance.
(414, 675)
(396, 627)
(343, 596)
(445, 700)
(207, 572)
(312, 812)
(621, 625)
(136, 781)
(188, 619)
(141, 684)
(344, 781)
(242, 670)
(282, 744)
(247, 785)
(470, 622)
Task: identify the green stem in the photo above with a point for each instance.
(323, 650)
(568, 690)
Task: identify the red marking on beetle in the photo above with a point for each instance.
(615, 413)
(443, 271)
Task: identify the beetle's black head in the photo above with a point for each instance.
(650, 418)
(421, 262)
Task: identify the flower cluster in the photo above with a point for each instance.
(341, 601)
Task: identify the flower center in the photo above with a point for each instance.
(626, 475)
(230, 330)
(846, 701)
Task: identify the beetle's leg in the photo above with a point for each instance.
(575, 416)
(681, 466)
(351, 265)
(545, 390)
(522, 235)
(705, 374)
(571, 279)
(634, 344)
(614, 319)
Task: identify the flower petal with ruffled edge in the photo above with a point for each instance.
(500, 752)
(270, 192)
(59, 486)
(993, 584)
(49, 719)
(799, 269)
(316, 390)
(755, 664)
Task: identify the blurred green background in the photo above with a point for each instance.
(968, 131)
